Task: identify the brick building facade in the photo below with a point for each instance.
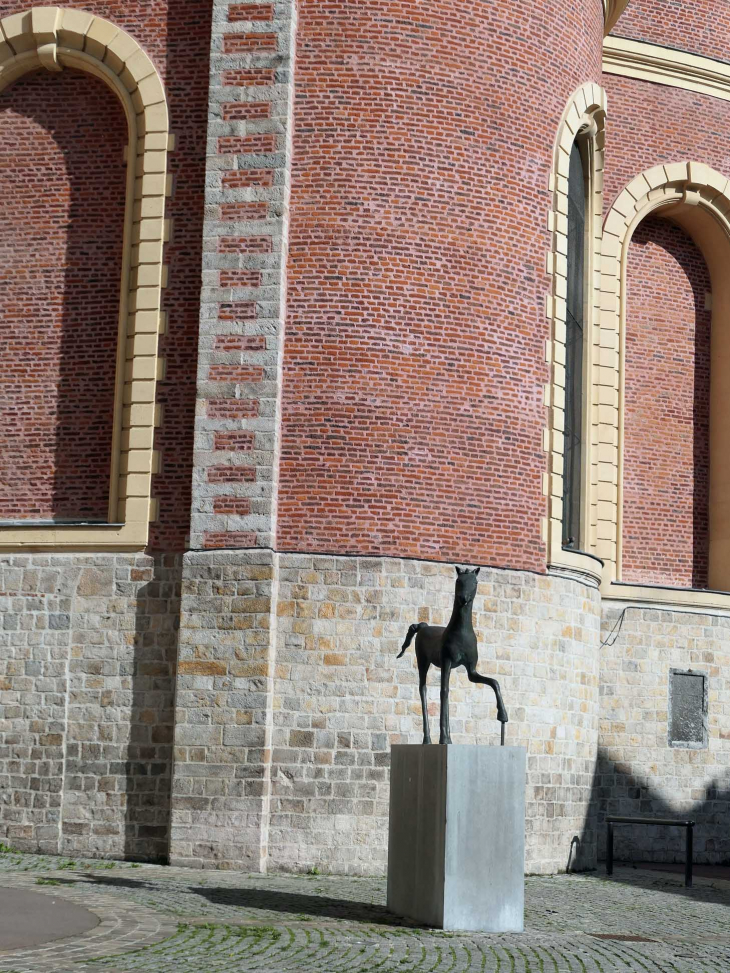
(303, 303)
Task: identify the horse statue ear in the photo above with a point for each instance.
(458, 569)
(477, 571)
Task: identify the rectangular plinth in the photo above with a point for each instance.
(456, 846)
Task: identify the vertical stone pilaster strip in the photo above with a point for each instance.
(244, 263)
(224, 703)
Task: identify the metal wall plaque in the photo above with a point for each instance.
(687, 708)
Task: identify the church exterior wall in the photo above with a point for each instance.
(416, 276)
(176, 35)
(87, 662)
(358, 397)
(290, 696)
(664, 24)
(638, 773)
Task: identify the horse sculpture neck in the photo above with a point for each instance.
(461, 615)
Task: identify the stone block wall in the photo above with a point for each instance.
(223, 710)
(87, 662)
(290, 696)
(638, 773)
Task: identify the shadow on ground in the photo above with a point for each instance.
(265, 899)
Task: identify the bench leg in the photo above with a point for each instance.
(609, 848)
(688, 858)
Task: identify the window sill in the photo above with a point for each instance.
(578, 566)
(658, 596)
(57, 538)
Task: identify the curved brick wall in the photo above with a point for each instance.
(667, 409)
(652, 124)
(63, 188)
(700, 28)
(414, 359)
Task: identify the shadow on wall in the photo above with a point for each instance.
(616, 790)
(64, 188)
(667, 270)
(148, 765)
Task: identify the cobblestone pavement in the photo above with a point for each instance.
(160, 919)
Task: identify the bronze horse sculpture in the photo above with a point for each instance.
(447, 649)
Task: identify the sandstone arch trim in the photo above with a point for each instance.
(665, 65)
(584, 118)
(612, 10)
(697, 198)
(53, 38)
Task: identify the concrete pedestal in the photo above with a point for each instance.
(456, 847)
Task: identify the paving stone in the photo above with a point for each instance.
(176, 920)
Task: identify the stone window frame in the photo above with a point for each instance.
(697, 198)
(692, 745)
(54, 38)
(584, 118)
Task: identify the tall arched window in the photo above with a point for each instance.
(576, 484)
(574, 352)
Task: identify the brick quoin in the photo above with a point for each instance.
(241, 440)
(240, 311)
(244, 211)
(246, 144)
(231, 474)
(235, 342)
(248, 77)
(232, 408)
(241, 178)
(414, 359)
(176, 35)
(236, 373)
(667, 409)
(242, 244)
(250, 11)
(240, 278)
(232, 505)
(240, 111)
(249, 43)
(217, 540)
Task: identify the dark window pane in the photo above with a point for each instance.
(574, 351)
(687, 705)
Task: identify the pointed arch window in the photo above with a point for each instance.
(573, 458)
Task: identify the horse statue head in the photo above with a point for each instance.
(466, 586)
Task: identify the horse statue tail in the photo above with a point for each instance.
(409, 637)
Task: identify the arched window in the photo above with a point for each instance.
(574, 483)
(116, 514)
(573, 452)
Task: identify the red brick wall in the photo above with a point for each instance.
(649, 125)
(414, 359)
(176, 34)
(701, 27)
(60, 251)
(667, 409)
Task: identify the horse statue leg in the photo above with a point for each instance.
(423, 666)
(475, 676)
(445, 736)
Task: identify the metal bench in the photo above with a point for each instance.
(689, 825)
